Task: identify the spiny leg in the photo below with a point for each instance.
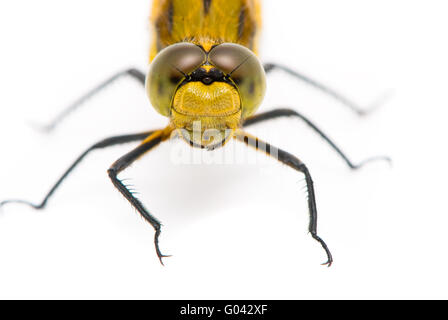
(112, 141)
(124, 162)
(134, 73)
(298, 165)
(268, 67)
(277, 113)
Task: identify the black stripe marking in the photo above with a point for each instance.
(170, 16)
(242, 21)
(207, 4)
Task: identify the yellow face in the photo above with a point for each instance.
(206, 94)
(206, 114)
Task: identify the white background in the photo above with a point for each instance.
(235, 231)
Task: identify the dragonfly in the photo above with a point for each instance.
(205, 76)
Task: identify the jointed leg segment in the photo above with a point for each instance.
(121, 164)
(134, 73)
(298, 165)
(278, 113)
(100, 145)
(269, 67)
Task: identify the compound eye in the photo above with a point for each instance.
(168, 69)
(243, 67)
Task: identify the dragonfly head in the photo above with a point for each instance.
(212, 92)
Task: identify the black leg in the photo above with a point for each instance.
(298, 165)
(121, 164)
(100, 145)
(277, 113)
(336, 95)
(134, 73)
